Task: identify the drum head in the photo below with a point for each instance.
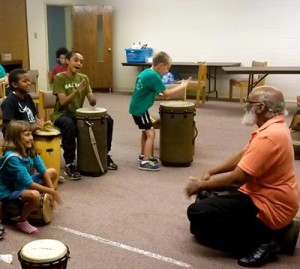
(47, 208)
(42, 251)
(90, 111)
(49, 131)
(177, 105)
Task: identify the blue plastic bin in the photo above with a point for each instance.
(138, 55)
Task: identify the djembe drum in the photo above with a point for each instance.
(43, 254)
(44, 214)
(47, 144)
(177, 133)
(91, 141)
(41, 216)
(296, 143)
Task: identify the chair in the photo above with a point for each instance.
(244, 83)
(200, 84)
(2, 98)
(34, 86)
(46, 104)
(3, 90)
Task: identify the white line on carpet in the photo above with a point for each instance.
(120, 245)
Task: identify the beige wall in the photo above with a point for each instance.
(192, 30)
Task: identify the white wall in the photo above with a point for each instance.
(192, 30)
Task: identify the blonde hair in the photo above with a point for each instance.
(12, 140)
(161, 57)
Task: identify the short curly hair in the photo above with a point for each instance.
(61, 51)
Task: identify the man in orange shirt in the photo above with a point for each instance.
(263, 196)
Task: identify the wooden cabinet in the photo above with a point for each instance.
(13, 31)
(10, 65)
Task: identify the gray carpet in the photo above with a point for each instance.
(135, 219)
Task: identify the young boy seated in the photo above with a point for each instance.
(19, 104)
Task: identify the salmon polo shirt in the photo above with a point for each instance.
(269, 159)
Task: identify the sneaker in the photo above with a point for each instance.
(149, 166)
(71, 172)
(110, 163)
(152, 159)
(2, 231)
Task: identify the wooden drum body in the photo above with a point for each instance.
(177, 133)
(92, 134)
(47, 144)
(43, 254)
(296, 143)
(41, 216)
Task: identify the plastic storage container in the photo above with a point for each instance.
(138, 55)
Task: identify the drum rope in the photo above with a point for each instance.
(94, 145)
(196, 133)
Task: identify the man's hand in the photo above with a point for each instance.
(196, 184)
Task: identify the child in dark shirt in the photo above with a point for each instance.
(19, 104)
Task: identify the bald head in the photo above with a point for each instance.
(271, 97)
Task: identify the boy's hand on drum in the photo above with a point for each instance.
(160, 95)
(39, 123)
(48, 123)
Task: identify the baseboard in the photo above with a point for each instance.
(102, 90)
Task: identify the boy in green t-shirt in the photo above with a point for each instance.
(71, 88)
(148, 84)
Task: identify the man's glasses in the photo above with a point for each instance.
(247, 101)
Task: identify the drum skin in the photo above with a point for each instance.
(87, 163)
(44, 214)
(177, 133)
(47, 144)
(43, 254)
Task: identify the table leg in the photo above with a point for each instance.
(250, 83)
(213, 77)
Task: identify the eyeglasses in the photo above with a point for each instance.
(252, 102)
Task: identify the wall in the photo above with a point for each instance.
(193, 30)
(56, 34)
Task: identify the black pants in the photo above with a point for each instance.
(228, 222)
(67, 125)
